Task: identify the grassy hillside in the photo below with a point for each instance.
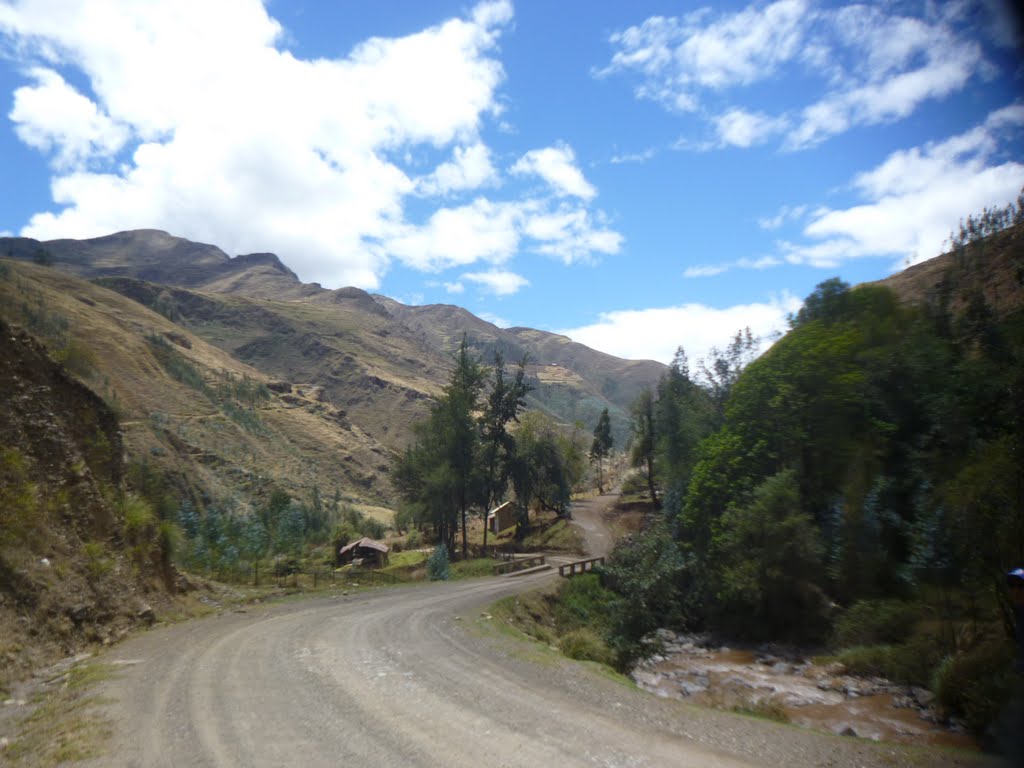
(187, 406)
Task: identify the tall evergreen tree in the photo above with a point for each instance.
(601, 447)
(644, 439)
(498, 445)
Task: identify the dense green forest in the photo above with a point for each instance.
(858, 486)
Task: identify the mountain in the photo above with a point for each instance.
(987, 271)
(179, 336)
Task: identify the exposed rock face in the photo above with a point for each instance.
(65, 432)
(65, 580)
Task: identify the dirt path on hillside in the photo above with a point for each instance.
(588, 514)
(416, 676)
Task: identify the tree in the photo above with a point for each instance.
(767, 564)
(438, 474)
(601, 448)
(723, 368)
(498, 445)
(541, 472)
(644, 439)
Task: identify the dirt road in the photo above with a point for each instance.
(413, 676)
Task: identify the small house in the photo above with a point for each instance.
(365, 552)
(501, 517)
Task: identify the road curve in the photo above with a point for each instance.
(404, 677)
(390, 678)
(397, 677)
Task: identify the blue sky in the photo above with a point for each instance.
(636, 175)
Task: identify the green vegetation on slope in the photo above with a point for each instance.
(860, 485)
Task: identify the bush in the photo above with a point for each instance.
(97, 564)
(373, 528)
(874, 622)
(583, 603)
(437, 564)
(413, 539)
(586, 645)
(976, 684)
(912, 662)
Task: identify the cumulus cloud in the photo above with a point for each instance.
(194, 118)
(871, 63)
(498, 282)
(557, 166)
(51, 116)
(655, 334)
(915, 196)
(469, 168)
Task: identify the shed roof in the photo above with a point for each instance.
(364, 543)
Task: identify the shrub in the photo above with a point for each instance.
(414, 539)
(976, 684)
(583, 603)
(97, 564)
(872, 622)
(437, 564)
(585, 645)
(373, 528)
(19, 504)
(76, 357)
(634, 484)
(911, 662)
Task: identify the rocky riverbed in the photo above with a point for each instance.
(782, 683)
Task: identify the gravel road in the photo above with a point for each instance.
(417, 676)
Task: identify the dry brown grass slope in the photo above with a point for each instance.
(184, 403)
(376, 358)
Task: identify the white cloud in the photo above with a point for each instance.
(493, 319)
(569, 233)
(786, 213)
(480, 231)
(915, 197)
(53, 116)
(654, 334)
(706, 270)
(739, 128)
(469, 168)
(192, 119)
(498, 282)
(906, 62)
(557, 166)
(710, 270)
(872, 64)
(680, 56)
(634, 157)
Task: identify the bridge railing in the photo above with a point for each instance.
(518, 564)
(580, 566)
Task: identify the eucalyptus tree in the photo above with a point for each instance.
(497, 443)
(601, 447)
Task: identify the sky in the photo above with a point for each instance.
(637, 176)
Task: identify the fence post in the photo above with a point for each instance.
(315, 574)
(256, 573)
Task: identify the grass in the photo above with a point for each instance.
(472, 568)
(64, 725)
(560, 536)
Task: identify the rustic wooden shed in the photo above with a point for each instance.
(370, 553)
(501, 517)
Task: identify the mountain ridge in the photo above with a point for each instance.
(350, 360)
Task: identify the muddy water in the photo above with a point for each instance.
(809, 695)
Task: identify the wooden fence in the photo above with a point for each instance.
(580, 566)
(518, 564)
